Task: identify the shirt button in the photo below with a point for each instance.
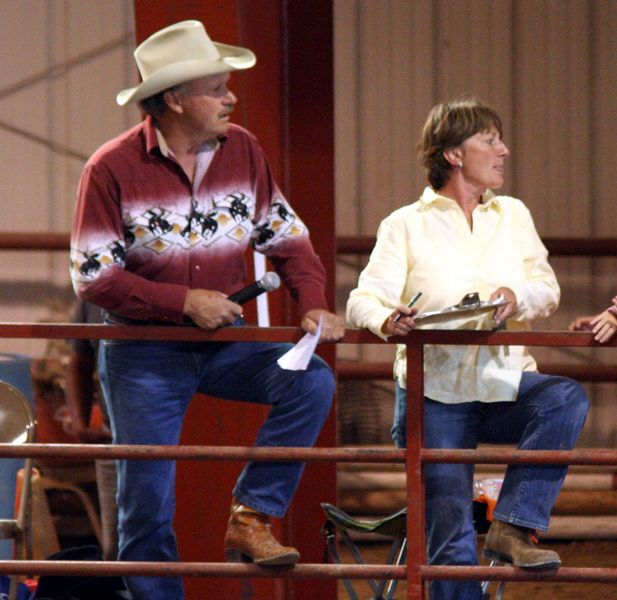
(197, 267)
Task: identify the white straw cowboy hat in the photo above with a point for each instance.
(180, 53)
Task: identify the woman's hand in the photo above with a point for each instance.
(400, 322)
(603, 325)
(507, 310)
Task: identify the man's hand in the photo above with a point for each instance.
(507, 310)
(210, 309)
(332, 326)
(400, 322)
(603, 325)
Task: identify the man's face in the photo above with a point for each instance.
(206, 105)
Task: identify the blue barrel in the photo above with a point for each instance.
(15, 370)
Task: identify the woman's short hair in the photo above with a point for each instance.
(448, 125)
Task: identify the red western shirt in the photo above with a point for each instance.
(142, 237)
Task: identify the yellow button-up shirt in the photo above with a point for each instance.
(429, 247)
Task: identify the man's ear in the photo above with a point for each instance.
(454, 156)
(173, 101)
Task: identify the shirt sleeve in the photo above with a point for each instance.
(98, 252)
(539, 295)
(382, 283)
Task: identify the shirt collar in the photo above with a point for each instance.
(155, 139)
(431, 196)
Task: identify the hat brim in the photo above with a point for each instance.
(232, 58)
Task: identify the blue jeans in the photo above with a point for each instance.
(148, 387)
(548, 414)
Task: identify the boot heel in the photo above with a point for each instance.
(235, 556)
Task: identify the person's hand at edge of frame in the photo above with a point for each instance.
(603, 326)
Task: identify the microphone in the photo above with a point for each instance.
(268, 283)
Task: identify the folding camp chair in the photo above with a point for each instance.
(393, 526)
(339, 523)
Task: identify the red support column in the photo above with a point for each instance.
(309, 181)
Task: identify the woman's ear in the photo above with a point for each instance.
(454, 156)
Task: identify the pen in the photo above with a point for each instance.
(409, 305)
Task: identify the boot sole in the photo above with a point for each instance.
(493, 555)
(281, 560)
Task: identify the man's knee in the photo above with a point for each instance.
(320, 379)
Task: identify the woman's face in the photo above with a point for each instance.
(483, 156)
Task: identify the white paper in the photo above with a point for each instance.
(298, 358)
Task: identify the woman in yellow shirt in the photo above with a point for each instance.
(458, 238)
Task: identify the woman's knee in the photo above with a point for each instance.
(574, 398)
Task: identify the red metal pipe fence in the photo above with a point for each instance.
(417, 571)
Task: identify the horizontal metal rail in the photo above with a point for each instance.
(197, 569)
(557, 246)
(300, 571)
(591, 373)
(32, 242)
(345, 244)
(493, 456)
(416, 338)
(566, 574)
(210, 453)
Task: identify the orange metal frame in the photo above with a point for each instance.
(417, 572)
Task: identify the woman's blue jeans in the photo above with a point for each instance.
(548, 414)
(148, 387)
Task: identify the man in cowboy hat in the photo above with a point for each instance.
(164, 214)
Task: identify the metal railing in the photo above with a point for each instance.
(417, 572)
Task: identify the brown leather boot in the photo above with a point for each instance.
(513, 544)
(248, 539)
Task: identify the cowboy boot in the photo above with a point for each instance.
(513, 544)
(248, 539)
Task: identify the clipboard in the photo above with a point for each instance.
(469, 306)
